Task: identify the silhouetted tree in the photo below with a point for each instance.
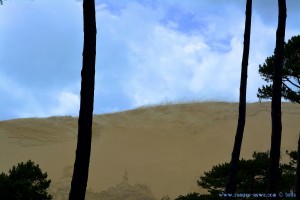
(197, 196)
(81, 166)
(290, 73)
(274, 173)
(252, 175)
(297, 185)
(24, 181)
(231, 182)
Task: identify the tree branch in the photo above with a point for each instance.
(286, 86)
(286, 79)
(283, 94)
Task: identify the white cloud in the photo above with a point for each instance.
(147, 53)
(194, 47)
(68, 103)
(63, 102)
(168, 64)
(171, 65)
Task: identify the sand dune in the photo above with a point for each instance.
(164, 149)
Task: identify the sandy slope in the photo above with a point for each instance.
(164, 148)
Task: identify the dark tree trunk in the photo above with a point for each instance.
(231, 182)
(274, 173)
(297, 186)
(83, 151)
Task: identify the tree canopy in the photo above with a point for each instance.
(290, 73)
(24, 181)
(196, 196)
(252, 178)
(252, 175)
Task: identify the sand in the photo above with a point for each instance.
(148, 152)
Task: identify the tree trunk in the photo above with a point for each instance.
(297, 186)
(81, 165)
(231, 182)
(274, 174)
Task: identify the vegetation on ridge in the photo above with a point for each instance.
(252, 177)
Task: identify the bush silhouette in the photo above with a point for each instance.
(252, 175)
(252, 178)
(24, 181)
(197, 196)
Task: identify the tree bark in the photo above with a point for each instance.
(81, 165)
(274, 173)
(231, 182)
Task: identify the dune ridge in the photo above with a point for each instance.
(164, 148)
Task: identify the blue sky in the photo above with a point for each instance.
(148, 52)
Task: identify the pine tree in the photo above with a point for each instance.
(297, 185)
(83, 151)
(274, 173)
(231, 182)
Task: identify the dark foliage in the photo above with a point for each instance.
(24, 181)
(290, 73)
(251, 177)
(196, 196)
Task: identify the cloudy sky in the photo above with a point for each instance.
(148, 52)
